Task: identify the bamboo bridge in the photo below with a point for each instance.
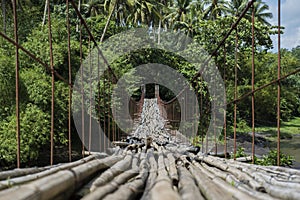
(152, 164)
(153, 161)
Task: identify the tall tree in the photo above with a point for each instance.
(193, 17)
(93, 7)
(261, 12)
(178, 11)
(215, 8)
(108, 20)
(145, 12)
(236, 7)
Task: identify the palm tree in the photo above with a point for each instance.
(108, 20)
(261, 12)
(236, 7)
(93, 7)
(215, 8)
(8, 5)
(177, 12)
(45, 13)
(193, 17)
(145, 12)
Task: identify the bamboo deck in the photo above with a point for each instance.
(150, 168)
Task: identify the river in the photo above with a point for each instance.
(292, 147)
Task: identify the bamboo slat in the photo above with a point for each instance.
(67, 180)
(131, 189)
(244, 177)
(109, 174)
(279, 172)
(263, 177)
(172, 168)
(82, 172)
(230, 179)
(44, 188)
(31, 177)
(279, 192)
(209, 189)
(20, 172)
(187, 186)
(102, 191)
(163, 187)
(235, 193)
(152, 173)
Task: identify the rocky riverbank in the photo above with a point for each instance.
(263, 145)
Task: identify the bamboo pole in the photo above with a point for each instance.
(187, 187)
(234, 192)
(131, 189)
(163, 187)
(172, 168)
(102, 191)
(207, 187)
(152, 173)
(61, 183)
(109, 174)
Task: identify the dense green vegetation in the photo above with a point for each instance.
(206, 21)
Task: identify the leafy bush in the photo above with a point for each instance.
(240, 152)
(268, 159)
(35, 126)
(271, 159)
(7, 80)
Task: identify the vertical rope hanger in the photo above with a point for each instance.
(82, 92)
(235, 92)
(104, 110)
(206, 140)
(252, 84)
(70, 84)
(201, 114)
(90, 98)
(98, 101)
(278, 87)
(17, 82)
(214, 121)
(52, 83)
(225, 121)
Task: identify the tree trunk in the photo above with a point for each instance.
(78, 24)
(159, 30)
(45, 13)
(108, 21)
